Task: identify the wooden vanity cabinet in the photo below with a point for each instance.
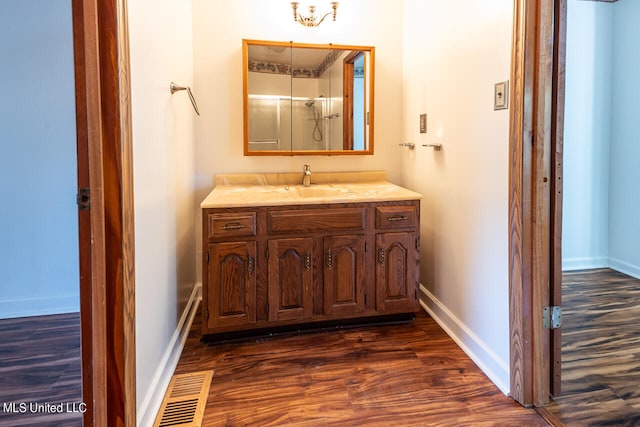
(283, 265)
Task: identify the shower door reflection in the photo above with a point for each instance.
(282, 123)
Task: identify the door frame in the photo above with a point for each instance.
(106, 230)
(535, 196)
(106, 235)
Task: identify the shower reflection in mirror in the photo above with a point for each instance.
(272, 117)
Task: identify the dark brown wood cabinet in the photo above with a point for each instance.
(396, 281)
(231, 302)
(272, 266)
(344, 275)
(290, 278)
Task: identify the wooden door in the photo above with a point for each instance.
(343, 275)
(396, 272)
(290, 279)
(231, 287)
(535, 196)
(557, 141)
(105, 167)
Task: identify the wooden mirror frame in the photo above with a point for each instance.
(347, 93)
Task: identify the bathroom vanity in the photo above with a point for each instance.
(276, 253)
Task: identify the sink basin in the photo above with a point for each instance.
(321, 191)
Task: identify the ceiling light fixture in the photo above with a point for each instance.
(312, 20)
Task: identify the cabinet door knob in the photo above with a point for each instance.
(250, 265)
(307, 261)
(329, 259)
(381, 256)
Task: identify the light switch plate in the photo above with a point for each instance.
(423, 123)
(501, 96)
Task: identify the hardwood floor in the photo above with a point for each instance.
(600, 350)
(40, 363)
(403, 375)
(409, 374)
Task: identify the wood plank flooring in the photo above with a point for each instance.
(409, 374)
(40, 363)
(600, 350)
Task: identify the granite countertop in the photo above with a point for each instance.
(273, 189)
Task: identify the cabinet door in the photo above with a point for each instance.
(343, 275)
(290, 279)
(232, 284)
(396, 272)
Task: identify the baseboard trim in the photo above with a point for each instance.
(584, 263)
(493, 366)
(152, 401)
(625, 267)
(39, 306)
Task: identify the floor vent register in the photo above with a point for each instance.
(185, 400)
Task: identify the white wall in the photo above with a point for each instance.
(163, 153)
(219, 28)
(624, 226)
(600, 226)
(587, 134)
(38, 212)
(454, 53)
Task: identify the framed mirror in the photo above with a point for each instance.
(307, 99)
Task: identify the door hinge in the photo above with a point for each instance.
(207, 257)
(365, 246)
(207, 311)
(365, 299)
(552, 317)
(83, 199)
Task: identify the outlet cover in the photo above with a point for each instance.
(501, 96)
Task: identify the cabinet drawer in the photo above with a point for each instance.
(317, 220)
(390, 217)
(232, 224)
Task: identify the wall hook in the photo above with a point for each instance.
(174, 88)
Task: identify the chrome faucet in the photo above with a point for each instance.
(306, 175)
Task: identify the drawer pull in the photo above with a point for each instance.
(232, 226)
(397, 218)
